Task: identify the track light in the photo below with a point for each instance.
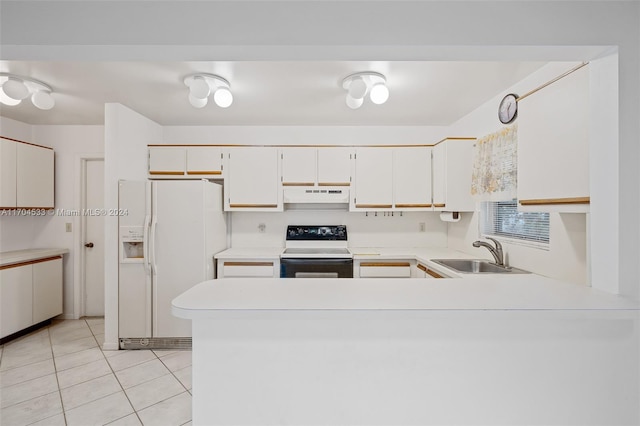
(360, 84)
(14, 89)
(202, 85)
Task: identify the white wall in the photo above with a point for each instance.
(127, 135)
(15, 129)
(68, 143)
(566, 258)
(25, 232)
(364, 230)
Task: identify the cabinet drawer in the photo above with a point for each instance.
(385, 270)
(247, 270)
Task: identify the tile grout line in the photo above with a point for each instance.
(112, 372)
(120, 384)
(176, 377)
(55, 371)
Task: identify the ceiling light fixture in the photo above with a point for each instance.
(15, 88)
(201, 85)
(360, 84)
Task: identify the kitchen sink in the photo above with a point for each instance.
(477, 266)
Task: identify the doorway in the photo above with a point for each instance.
(92, 240)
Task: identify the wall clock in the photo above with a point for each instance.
(508, 109)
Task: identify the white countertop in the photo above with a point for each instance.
(19, 256)
(250, 253)
(527, 292)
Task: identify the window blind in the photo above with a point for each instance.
(502, 219)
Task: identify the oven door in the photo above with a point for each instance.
(316, 268)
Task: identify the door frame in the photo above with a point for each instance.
(80, 226)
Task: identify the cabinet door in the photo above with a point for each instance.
(248, 269)
(374, 179)
(385, 270)
(299, 166)
(47, 290)
(34, 176)
(166, 161)
(439, 176)
(206, 160)
(553, 146)
(459, 168)
(412, 178)
(15, 299)
(334, 166)
(7, 173)
(253, 180)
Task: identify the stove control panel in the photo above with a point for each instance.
(316, 233)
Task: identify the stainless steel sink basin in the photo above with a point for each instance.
(477, 266)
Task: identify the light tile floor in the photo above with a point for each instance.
(58, 375)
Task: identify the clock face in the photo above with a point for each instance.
(508, 109)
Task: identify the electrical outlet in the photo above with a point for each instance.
(67, 227)
(422, 226)
(262, 228)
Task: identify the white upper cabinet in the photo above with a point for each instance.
(373, 179)
(299, 166)
(7, 173)
(191, 162)
(166, 161)
(34, 176)
(204, 161)
(334, 166)
(252, 179)
(553, 146)
(412, 178)
(452, 167)
(323, 166)
(439, 164)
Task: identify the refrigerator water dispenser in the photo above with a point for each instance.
(131, 244)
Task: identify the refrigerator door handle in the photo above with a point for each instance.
(154, 225)
(146, 242)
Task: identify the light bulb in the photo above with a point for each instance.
(196, 102)
(357, 88)
(15, 89)
(7, 100)
(379, 93)
(199, 88)
(43, 100)
(223, 97)
(354, 103)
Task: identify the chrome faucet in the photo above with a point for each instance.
(497, 253)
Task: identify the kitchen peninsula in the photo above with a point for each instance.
(488, 350)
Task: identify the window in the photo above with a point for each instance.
(502, 219)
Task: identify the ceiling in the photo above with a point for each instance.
(429, 93)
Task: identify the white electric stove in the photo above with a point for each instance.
(316, 251)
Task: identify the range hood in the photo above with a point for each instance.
(316, 195)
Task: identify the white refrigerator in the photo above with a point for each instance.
(169, 232)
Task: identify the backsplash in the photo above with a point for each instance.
(382, 229)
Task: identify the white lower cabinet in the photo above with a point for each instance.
(47, 290)
(16, 294)
(423, 271)
(29, 294)
(243, 268)
(384, 269)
